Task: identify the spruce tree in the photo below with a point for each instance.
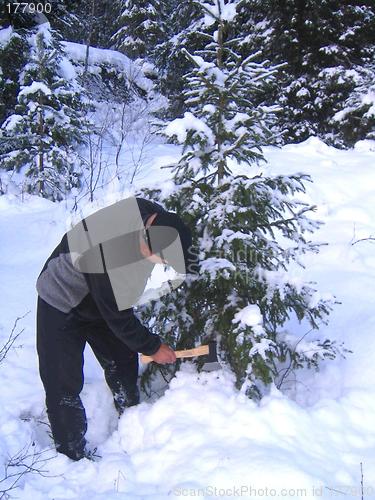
(91, 21)
(13, 54)
(181, 28)
(356, 120)
(139, 28)
(326, 45)
(249, 228)
(41, 136)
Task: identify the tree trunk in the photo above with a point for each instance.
(40, 166)
(220, 129)
(89, 35)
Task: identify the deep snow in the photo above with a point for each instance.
(202, 438)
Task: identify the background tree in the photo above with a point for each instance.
(41, 136)
(181, 25)
(356, 118)
(139, 27)
(80, 22)
(248, 228)
(325, 44)
(13, 53)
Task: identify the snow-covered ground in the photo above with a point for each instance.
(203, 439)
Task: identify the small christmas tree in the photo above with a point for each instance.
(248, 228)
(41, 136)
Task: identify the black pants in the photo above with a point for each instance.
(60, 346)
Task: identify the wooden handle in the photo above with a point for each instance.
(185, 353)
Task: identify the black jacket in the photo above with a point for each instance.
(89, 297)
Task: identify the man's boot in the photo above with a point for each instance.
(125, 398)
(68, 426)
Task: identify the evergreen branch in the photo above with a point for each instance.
(207, 10)
(204, 35)
(236, 144)
(283, 222)
(209, 84)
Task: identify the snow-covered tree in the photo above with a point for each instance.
(139, 27)
(356, 120)
(325, 44)
(221, 95)
(41, 136)
(13, 53)
(90, 21)
(181, 29)
(248, 227)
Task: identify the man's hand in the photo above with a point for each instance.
(164, 355)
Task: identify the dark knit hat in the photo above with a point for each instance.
(163, 236)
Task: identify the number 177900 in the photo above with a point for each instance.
(29, 8)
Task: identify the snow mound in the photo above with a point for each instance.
(109, 58)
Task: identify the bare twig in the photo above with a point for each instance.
(354, 241)
(24, 462)
(335, 491)
(370, 238)
(12, 338)
(117, 481)
(138, 163)
(288, 368)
